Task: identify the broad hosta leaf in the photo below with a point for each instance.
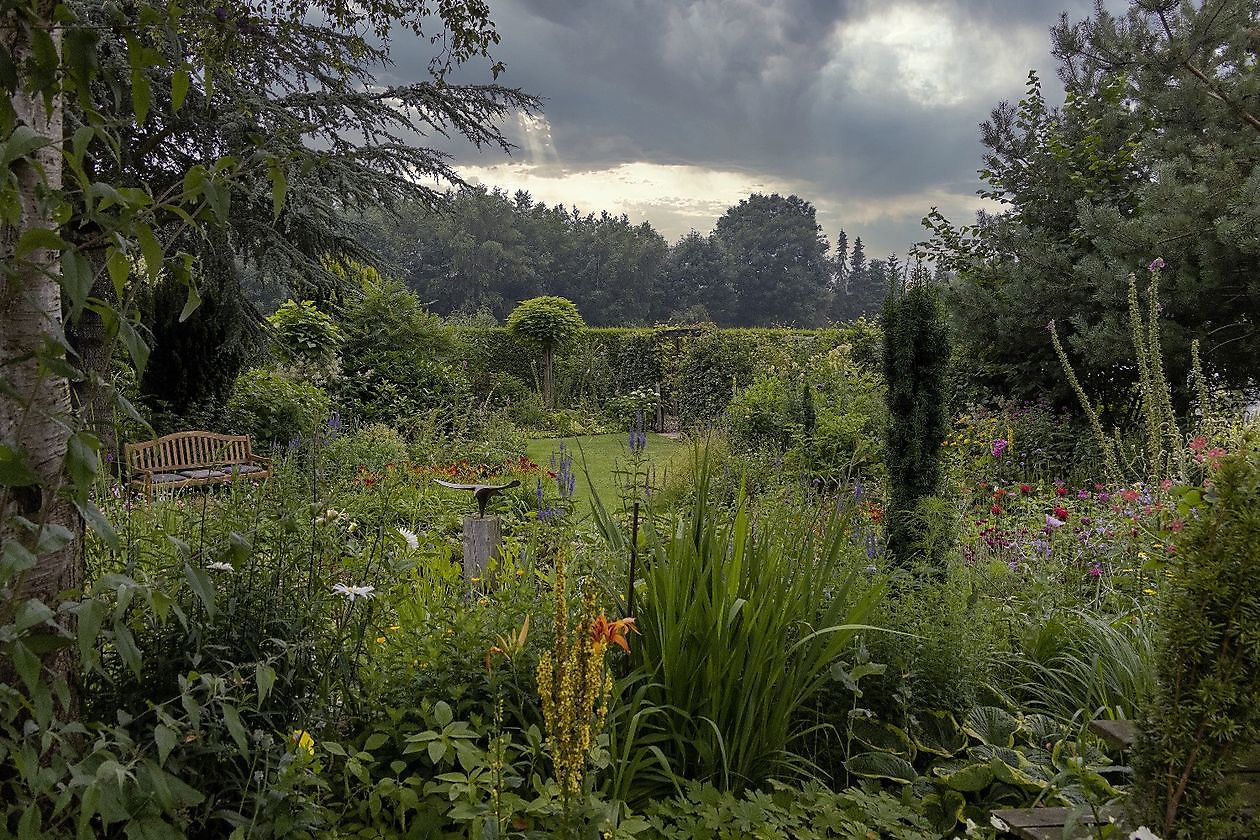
(883, 737)
(991, 725)
(944, 809)
(938, 733)
(1043, 729)
(984, 752)
(968, 779)
(1004, 772)
(880, 765)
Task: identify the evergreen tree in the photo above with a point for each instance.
(916, 355)
(1153, 155)
(294, 95)
(842, 263)
(857, 262)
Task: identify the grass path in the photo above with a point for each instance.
(603, 455)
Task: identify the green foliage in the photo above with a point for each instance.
(810, 813)
(739, 627)
(1081, 667)
(396, 360)
(273, 408)
(956, 642)
(1149, 157)
(196, 355)
(370, 447)
(1206, 710)
(545, 322)
(761, 416)
(307, 341)
(916, 354)
(778, 260)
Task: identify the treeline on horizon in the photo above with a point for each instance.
(767, 262)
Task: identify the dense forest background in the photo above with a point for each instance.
(767, 262)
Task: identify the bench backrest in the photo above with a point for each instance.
(186, 450)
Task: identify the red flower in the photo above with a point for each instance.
(1025, 489)
(996, 509)
(1060, 491)
(1060, 512)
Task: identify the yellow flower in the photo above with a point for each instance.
(301, 738)
(380, 640)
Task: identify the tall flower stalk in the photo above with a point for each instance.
(574, 685)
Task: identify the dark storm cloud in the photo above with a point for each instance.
(858, 102)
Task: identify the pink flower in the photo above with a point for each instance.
(1053, 523)
(1156, 264)
(1095, 571)
(999, 446)
(1199, 443)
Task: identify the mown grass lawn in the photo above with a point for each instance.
(603, 456)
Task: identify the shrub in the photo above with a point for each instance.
(760, 416)
(371, 447)
(546, 323)
(1207, 706)
(396, 359)
(916, 353)
(307, 341)
(272, 408)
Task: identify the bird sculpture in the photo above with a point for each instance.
(481, 492)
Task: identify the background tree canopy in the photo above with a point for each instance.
(1153, 155)
(765, 263)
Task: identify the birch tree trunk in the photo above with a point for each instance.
(35, 406)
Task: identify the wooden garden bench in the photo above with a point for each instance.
(192, 459)
(1046, 823)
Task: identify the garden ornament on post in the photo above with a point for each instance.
(481, 492)
(481, 534)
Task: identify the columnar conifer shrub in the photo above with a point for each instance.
(1206, 711)
(546, 323)
(916, 352)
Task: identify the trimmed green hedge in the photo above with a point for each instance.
(698, 373)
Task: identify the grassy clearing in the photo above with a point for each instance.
(603, 455)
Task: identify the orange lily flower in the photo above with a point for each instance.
(603, 630)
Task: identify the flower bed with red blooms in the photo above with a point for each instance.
(462, 470)
(1081, 536)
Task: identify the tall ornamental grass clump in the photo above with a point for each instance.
(741, 617)
(1206, 711)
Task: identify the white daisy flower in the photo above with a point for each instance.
(220, 566)
(413, 541)
(353, 592)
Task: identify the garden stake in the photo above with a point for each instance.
(634, 557)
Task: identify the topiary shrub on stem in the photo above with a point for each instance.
(1206, 711)
(916, 353)
(546, 323)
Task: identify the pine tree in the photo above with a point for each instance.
(842, 263)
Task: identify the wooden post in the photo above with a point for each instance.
(481, 542)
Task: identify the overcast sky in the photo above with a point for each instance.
(670, 112)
